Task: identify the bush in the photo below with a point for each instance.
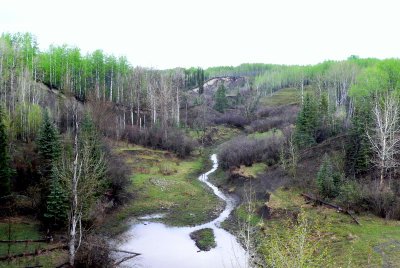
(170, 139)
(232, 119)
(266, 124)
(166, 169)
(384, 203)
(95, 251)
(328, 181)
(246, 151)
(118, 178)
(350, 195)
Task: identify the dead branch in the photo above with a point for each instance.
(34, 253)
(47, 239)
(340, 209)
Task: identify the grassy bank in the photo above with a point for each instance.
(20, 228)
(163, 183)
(373, 243)
(204, 238)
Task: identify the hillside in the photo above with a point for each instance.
(97, 155)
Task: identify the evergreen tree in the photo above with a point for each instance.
(57, 201)
(358, 149)
(200, 80)
(307, 123)
(48, 146)
(327, 180)
(221, 102)
(5, 169)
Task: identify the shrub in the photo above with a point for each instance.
(327, 180)
(232, 119)
(266, 124)
(95, 251)
(350, 195)
(246, 151)
(384, 203)
(167, 139)
(166, 169)
(118, 177)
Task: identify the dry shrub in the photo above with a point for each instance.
(232, 119)
(118, 177)
(246, 151)
(95, 251)
(170, 139)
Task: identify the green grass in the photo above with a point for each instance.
(219, 134)
(19, 231)
(164, 183)
(22, 229)
(267, 134)
(204, 238)
(255, 169)
(345, 240)
(48, 260)
(283, 97)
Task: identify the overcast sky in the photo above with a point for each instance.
(171, 33)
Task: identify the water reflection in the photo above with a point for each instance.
(162, 246)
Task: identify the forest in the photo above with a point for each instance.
(89, 141)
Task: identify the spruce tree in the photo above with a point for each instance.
(307, 123)
(221, 102)
(5, 169)
(48, 146)
(327, 180)
(358, 148)
(57, 201)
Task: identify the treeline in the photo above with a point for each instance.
(143, 96)
(246, 69)
(366, 175)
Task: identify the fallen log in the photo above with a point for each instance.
(48, 239)
(340, 209)
(34, 253)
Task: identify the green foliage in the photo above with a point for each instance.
(57, 202)
(358, 147)
(296, 245)
(5, 169)
(49, 146)
(27, 120)
(350, 194)
(328, 181)
(307, 123)
(221, 102)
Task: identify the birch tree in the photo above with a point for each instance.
(83, 175)
(384, 135)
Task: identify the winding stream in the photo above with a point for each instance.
(162, 246)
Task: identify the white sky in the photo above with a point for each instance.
(172, 33)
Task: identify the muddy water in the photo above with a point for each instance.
(162, 246)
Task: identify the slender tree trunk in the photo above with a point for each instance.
(75, 217)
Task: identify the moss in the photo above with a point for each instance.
(204, 238)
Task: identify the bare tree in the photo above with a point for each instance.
(384, 136)
(248, 230)
(83, 178)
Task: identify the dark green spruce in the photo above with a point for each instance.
(5, 169)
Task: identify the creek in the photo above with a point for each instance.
(163, 246)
